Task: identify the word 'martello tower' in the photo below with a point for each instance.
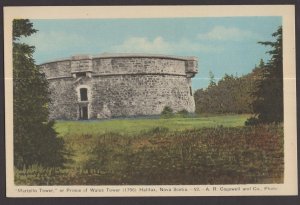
(119, 85)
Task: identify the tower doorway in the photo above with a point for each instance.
(83, 113)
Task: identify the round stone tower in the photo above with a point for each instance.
(105, 86)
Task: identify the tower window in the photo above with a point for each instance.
(83, 94)
(81, 74)
(191, 92)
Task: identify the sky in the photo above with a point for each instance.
(221, 44)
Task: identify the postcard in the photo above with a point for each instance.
(150, 101)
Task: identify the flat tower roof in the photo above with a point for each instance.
(123, 55)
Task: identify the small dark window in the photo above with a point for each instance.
(83, 94)
(81, 74)
(191, 92)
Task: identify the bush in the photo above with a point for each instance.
(183, 113)
(167, 112)
(157, 130)
(252, 121)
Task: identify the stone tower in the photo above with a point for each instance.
(116, 85)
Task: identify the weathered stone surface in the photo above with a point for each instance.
(119, 85)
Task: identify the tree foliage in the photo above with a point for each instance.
(268, 95)
(212, 81)
(231, 94)
(35, 141)
(259, 92)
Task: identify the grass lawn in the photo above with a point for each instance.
(133, 126)
(201, 150)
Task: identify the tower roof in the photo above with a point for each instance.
(124, 55)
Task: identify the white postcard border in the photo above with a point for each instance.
(290, 185)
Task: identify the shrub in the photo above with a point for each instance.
(252, 121)
(183, 113)
(157, 130)
(167, 112)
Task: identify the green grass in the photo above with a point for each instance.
(220, 155)
(135, 126)
(200, 150)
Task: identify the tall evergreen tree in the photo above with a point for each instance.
(35, 141)
(268, 103)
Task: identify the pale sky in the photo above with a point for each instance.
(222, 44)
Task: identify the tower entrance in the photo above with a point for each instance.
(83, 113)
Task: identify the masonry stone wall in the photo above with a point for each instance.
(119, 85)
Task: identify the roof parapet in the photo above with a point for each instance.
(123, 55)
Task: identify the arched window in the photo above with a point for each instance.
(83, 94)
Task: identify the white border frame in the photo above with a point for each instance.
(287, 12)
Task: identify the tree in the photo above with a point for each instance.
(261, 63)
(268, 103)
(230, 94)
(35, 141)
(212, 80)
